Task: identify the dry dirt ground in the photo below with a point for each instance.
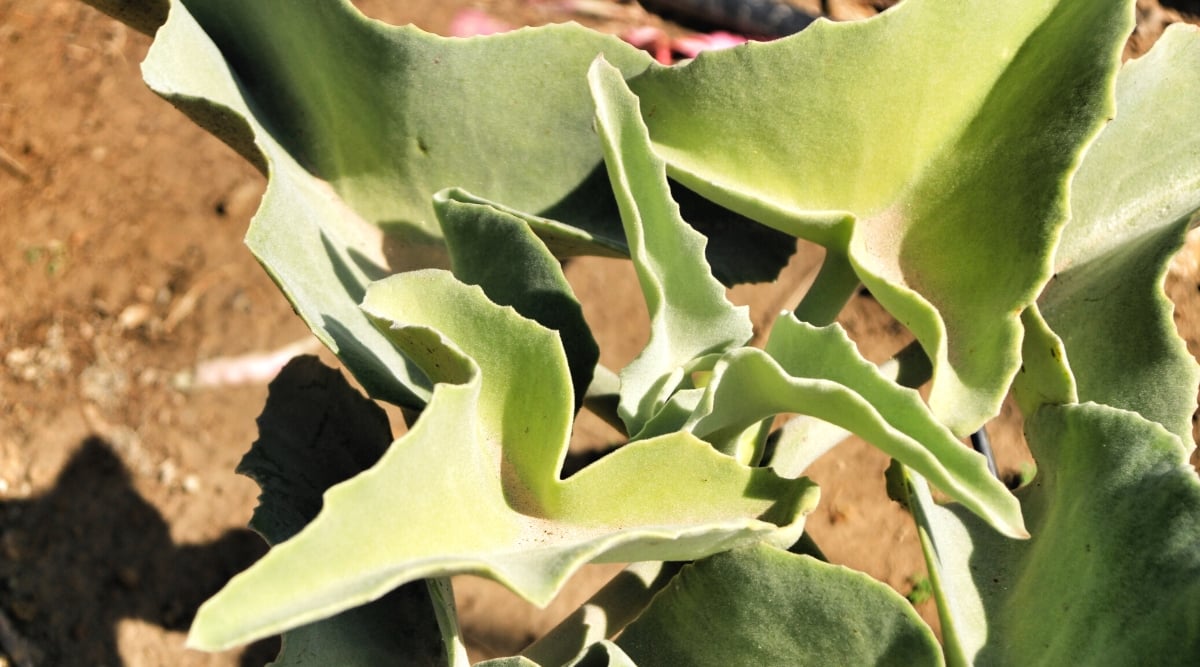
(122, 268)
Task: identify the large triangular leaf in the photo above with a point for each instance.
(689, 313)
(932, 144)
(764, 606)
(1131, 203)
(1112, 573)
(359, 124)
(474, 485)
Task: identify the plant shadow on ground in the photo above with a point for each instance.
(92, 552)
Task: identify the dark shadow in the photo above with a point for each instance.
(92, 552)
(1183, 6)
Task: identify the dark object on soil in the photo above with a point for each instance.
(758, 18)
(1183, 6)
(983, 445)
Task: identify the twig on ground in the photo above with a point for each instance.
(10, 164)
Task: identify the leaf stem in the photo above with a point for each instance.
(605, 614)
(833, 287)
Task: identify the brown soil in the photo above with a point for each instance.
(121, 268)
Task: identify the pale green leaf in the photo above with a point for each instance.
(497, 251)
(316, 431)
(1045, 375)
(474, 485)
(931, 144)
(358, 124)
(1112, 573)
(1131, 203)
(689, 314)
(818, 372)
(764, 606)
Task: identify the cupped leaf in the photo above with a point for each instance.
(497, 251)
(1112, 573)
(1132, 200)
(818, 372)
(803, 439)
(763, 606)
(474, 487)
(931, 144)
(316, 431)
(689, 313)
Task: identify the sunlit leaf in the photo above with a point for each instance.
(497, 251)
(931, 144)
(1131, 203)
(818, 372)
(474, 485)
(314, 432)
(689, 313)
(358, 124)
(1112, 573)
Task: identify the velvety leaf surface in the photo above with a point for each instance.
(604, 615)
(932, 144)
(1045, 376)
(764, 606)
(474, 485)
(1131, 201)
(498, 251)
(689, 313)
(359, 124)
(818, 372)
(314, 432)
(1112, 573)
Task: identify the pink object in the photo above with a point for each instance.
(664, 48)
(692, 45)
(473, 22)
(652, 40)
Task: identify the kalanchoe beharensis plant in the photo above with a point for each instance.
(989, 170)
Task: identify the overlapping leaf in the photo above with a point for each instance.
(1112, 573)
(1131, 203)
(689, 314)
(474, 485)
(499, 252)
(761, 605)
(818, 372)
(360, 123)
(314, 432)
(932, 144)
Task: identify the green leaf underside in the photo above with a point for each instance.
(941, 170)
(498, 251)
(818, 372)
(1112, 573)
(689, 313)
(314, 432)
(500, 417)
(1131, 200)
(761, 605)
